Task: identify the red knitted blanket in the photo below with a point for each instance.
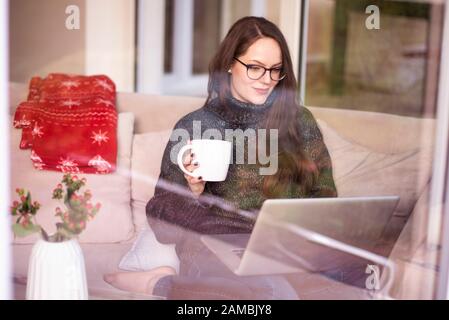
(70, 123)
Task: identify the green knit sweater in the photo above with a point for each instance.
(224, 206)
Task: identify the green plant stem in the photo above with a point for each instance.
(44, 234)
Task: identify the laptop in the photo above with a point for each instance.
(310, 235)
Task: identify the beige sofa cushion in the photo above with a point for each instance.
(113, 222)
(148, 149)
(155, 112)
(379, 132)
(359, 171)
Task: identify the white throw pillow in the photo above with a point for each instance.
(147, 253)
(113, 222)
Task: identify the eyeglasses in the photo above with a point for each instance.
(255, 72)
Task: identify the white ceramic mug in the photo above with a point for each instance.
(213, 157)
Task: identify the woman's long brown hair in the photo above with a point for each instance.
(294, 165)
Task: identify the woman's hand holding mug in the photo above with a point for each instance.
(212, 155)
(196, 184)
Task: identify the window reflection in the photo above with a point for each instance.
(206, 33)
(389, 70)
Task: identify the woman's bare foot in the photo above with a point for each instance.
(138, 282)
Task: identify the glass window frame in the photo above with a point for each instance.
(439, 220)
(428, 106)
(5, 246)
(182, 80)
(438, 224)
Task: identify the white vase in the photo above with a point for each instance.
(56, 271)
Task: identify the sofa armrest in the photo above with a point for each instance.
(414, 232)
(416, 263)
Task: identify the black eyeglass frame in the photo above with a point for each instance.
(265, 70)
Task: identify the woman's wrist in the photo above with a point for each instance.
(200, 202)
(203, 204)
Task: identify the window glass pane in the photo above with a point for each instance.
(391, 69)
(389, 72)
(168, 45)
(206, 33)
(273, 10)
(239, 9)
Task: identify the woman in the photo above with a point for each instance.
(251, 86)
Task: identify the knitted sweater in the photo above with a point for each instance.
(171, 213)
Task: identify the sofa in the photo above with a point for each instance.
(372, 154)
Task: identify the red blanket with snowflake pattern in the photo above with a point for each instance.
(70, 123)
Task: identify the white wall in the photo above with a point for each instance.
(110, 40)
(439, 211)
(40, 43)
(289, 23)
(150, 54)
(5, 267)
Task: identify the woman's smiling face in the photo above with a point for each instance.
(265, 52)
